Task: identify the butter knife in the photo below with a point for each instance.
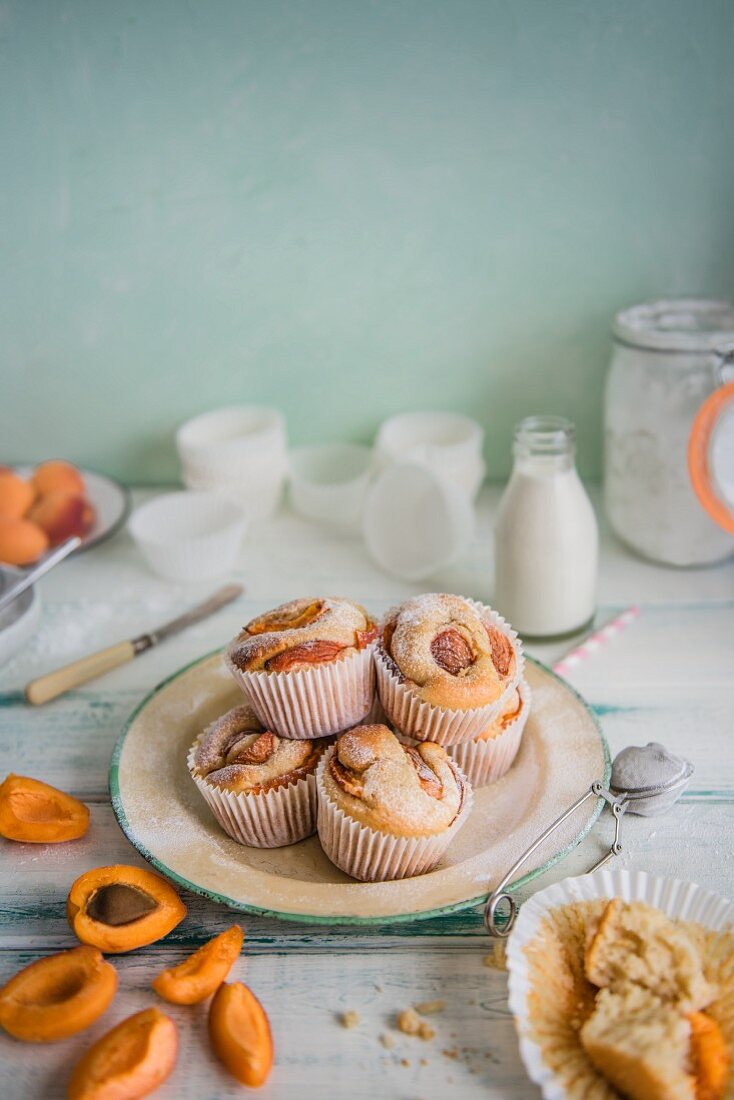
(56, 683)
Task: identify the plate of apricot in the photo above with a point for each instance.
(41, 506)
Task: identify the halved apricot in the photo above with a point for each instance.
(709, 1055)
(201, 974)
(128, 1062)
(36, 813)
(119, 908)
(57, 996)
(240, 1034)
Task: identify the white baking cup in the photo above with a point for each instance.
(678, 900)
(189, 536)
(271, 819)
(415, 520)
(328, 482)
(311, 702)
(372, 856)
(484, 761)
(425, 722)
(445, 442)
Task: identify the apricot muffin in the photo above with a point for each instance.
(261, 788)
(446, 667)
(388, 810)
(624, 1001)
(491, 755)
(307, 666)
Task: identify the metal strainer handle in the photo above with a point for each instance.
(501, 925)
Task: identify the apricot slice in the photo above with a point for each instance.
(119, 908)
(62, 515)
(130, 1061)
(16, 495)
(57, 476)
(57, 996)
(240, 1034)
(709, 1055)
(36, 813)
(21, 542)
(201, 974)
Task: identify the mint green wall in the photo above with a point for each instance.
(344, 208)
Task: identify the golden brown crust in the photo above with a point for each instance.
(440, 646)
(301, 634)
(236, 754)
(392, 788)
(512, 711)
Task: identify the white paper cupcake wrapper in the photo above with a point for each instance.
(678, 900)
(483, 762)
(372, 856)
(311, 702)
(426, 722)
(270, 819)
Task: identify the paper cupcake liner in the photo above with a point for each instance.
(270, 819)
(312, 702)
(483, 762)
(426, 722)
(678, 900)
(372, 856)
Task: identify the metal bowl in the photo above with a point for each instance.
(18, 621)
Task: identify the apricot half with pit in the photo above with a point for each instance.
(201, 974)
(57, 996)
(34, 812)
(129, 1062)
(119, 908)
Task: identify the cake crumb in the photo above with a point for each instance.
(450, 1053)
(498, 959)
(404, 1061)
(424, 1061)
(430, 1008)
(387, 1041)
(349, 1019)
(410, 1023)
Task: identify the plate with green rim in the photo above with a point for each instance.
(163, 815)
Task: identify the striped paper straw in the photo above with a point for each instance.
(596, 641)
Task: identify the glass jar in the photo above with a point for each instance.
(662, 370)
(545, 536)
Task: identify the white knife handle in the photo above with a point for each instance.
(79, 672)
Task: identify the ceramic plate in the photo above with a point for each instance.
(111, 502)
(679, 900)
(163, 815)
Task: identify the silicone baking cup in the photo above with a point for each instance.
(311, 702)
(269, 819)
(425, 722)
(372, 856)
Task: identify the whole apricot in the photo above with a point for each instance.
(16, 495)
(57, 476)
(62, 515)
(21, 541)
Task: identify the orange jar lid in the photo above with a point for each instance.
(711, 456)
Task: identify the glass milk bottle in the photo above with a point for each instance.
(546, 538)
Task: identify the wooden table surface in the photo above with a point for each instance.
(669, 677)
